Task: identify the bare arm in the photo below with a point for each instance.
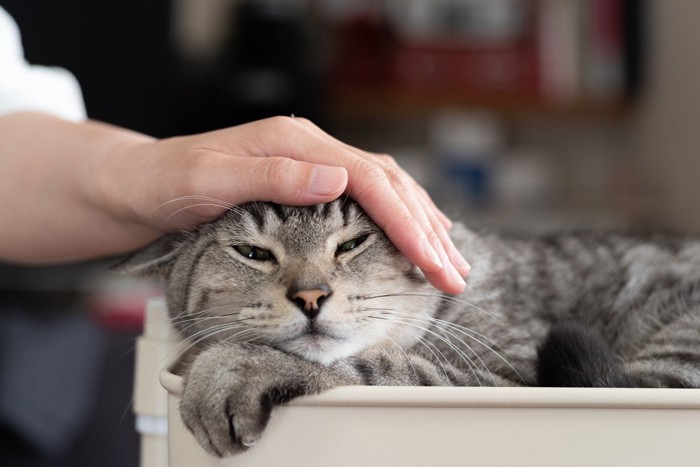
(73, 191)
(49, 187)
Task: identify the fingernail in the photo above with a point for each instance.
(327, 180)
(454, 275)
(459, 262)
(431, 253)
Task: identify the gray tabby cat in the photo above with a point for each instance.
(281, 301)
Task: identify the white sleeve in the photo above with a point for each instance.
(29, 87)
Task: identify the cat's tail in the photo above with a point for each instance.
(572, 356)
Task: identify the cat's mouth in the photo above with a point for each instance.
(313, 332)
(313, 342)
(312, 329)
(321, 342)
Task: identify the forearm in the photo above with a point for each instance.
(55, 203)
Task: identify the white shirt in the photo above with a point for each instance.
(29, 87)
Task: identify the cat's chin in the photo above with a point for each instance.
(320, 348)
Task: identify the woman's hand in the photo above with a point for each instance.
(92, 189)
(180, 182)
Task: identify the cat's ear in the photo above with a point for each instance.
(154, 260)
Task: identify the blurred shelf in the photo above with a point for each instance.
(386, 103)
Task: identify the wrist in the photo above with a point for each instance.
(116, 170)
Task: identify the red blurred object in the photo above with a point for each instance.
(500, 71)
(119, 304)
(363, 53)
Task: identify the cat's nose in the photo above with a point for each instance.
(309, 301)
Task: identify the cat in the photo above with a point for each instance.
(281, 301)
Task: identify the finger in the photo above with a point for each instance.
(451, 278)
(454, 255)
(370, 187)
(278, 179)
(368, 183)
(216, 183)
(418, 203)
(444, 220)
(446, 280)
(428, 215)
(389, 162)
(402, 222)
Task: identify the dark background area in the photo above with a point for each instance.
(120, 52)
(123, 55)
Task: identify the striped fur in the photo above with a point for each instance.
(637, 296)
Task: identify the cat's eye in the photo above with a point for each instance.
(351, 244)
(253, 252)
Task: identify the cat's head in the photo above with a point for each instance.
(322, 282)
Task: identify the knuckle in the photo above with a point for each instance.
(277, 170)
(400, 221)
(303, 121)
(288, 123)
(396, 176)
(195, 164)
(281, 122)
(400, 181)
(387, 160)
(366, 169)
(434, 220)
(433, 237)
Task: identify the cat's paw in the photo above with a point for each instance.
(229, 395)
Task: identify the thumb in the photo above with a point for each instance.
(287, 181)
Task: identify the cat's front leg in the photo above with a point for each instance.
(230, 391)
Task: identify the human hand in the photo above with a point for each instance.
(177, 183)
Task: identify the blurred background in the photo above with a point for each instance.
(529, 114)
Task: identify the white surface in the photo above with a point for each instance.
(25, 87)
(382, 426)
(155, 425)
(155, 350)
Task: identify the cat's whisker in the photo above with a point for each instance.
(199, 320)
(427, 344)
(196, 318)
(217, 201)
(216, 327)
(460, 353)
(232, 338)
(467, 360)
(237, 337)
(207, 311)
(468, 333)
(195, 339)
(443, 327)
(410, 363)
(194, 205)
(446, 298)
(205, 201)
(181, 320)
